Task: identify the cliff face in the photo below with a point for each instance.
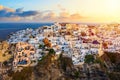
(4, 45)
(53, 70)
(112, 63)
(60, 69)
(4, 51)
(47, 69)
(113, 58)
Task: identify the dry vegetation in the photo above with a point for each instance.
(4, 51)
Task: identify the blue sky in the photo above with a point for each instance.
(27, 4)
(60, 10)
(32, 4)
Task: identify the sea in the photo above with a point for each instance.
(8, 28)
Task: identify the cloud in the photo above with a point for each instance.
(67, 17)
(61, 17)
(1, 7)
(64, 14)
(49, 16)
(6, 8)
(61, 8)
(19, 10)
(76, 16)
(27, 13)
(8, 14)
(3, 19)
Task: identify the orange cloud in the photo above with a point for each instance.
(1, 7)
(6, 8)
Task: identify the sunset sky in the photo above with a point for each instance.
(92, 11)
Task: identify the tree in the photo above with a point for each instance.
(89, 59)
(31, 36)
(41, 46)
(46, 42)
(105, 45)
(83, 34)
(51, 51)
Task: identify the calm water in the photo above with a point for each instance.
(8, 28)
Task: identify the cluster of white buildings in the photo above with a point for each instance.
(73, 40)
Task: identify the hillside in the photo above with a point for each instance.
(47, 69)
(112, 64)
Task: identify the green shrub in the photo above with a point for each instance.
(89, 59)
